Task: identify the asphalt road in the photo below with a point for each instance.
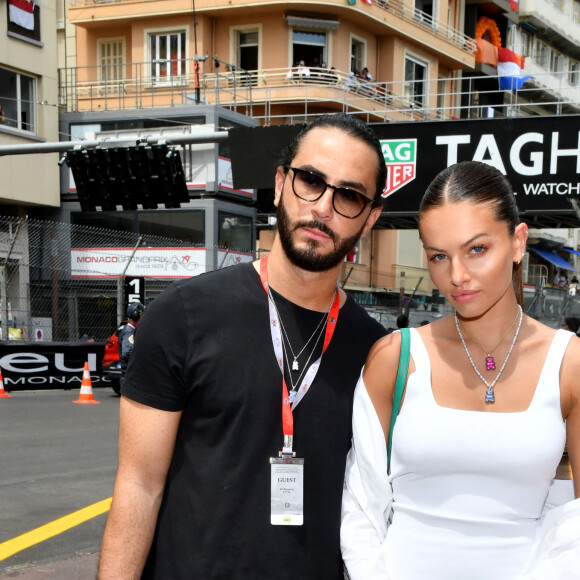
(56, 457)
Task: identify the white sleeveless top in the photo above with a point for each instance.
(469, 486)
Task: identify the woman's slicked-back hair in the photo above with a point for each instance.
(478, 183)
(351, 126)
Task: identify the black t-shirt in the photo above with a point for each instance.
(204, 347)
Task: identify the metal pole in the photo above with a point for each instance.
(196, 64)
(402, 293)
(408, 309)
(120, 302)
(3, 285)
(63, 146)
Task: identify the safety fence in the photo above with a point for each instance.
(67, 283)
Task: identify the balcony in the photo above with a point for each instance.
(274, 96)
(554, 20)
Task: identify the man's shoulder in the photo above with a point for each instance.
(221, 279)
(361, 318)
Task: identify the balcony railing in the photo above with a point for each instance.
(400, 8)
(281, 96)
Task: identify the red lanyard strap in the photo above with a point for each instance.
(287, 405)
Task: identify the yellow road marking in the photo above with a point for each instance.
(11, 547)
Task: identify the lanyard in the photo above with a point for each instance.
(287, 404)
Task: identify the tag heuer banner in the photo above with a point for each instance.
(539, 155)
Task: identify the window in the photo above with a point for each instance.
(542, 54)
(358, 51)
(415, 81)
(527, 43)
(248, 47)
(24, 18)
(309, 46)
(556, 61)
(167, 51)
(17, 101)
(576, 11)
(184, 226)
(425, 11)
(573, 73)
(234, 231)
(246, 44)
(111, 56)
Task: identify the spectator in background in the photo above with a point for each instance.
(299, 73)
(365, 75)
(560, 280)
(572, 324)
(126, 335)
(402, 321)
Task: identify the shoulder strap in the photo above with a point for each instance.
(399, 386)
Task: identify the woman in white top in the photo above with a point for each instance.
(491, 398)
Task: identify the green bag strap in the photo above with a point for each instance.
(399, 386)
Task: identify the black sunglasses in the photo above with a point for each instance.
(309, 186)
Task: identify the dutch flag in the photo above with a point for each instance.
(510, 68)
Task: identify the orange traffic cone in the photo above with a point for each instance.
(86, 395)
(3, 393)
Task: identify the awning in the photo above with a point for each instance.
(306, 22)
(571, 251)
(554, 258)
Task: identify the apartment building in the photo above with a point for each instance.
(247, 55)
(548, 36)
(28, 104)
(542, 38)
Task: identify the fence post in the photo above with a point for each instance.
(3, 290)
(4, 300)
(120, 301)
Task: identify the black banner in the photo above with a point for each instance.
(539, 155)
(47, 365)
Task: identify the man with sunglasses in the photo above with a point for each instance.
(236, 410)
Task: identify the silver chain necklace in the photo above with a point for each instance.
(320, 327)
(295, 365)
(489, 360)
(489, 393)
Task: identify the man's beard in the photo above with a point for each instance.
(307, 258)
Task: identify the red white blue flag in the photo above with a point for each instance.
(510, 68)
(369, 1)
(21, 12)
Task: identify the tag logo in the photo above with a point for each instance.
(401, 161)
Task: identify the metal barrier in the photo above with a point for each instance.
(63, 282)
(275, 96)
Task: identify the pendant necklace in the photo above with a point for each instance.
(489, 360)
(489, 393)
(295, 365)
(320, 328)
